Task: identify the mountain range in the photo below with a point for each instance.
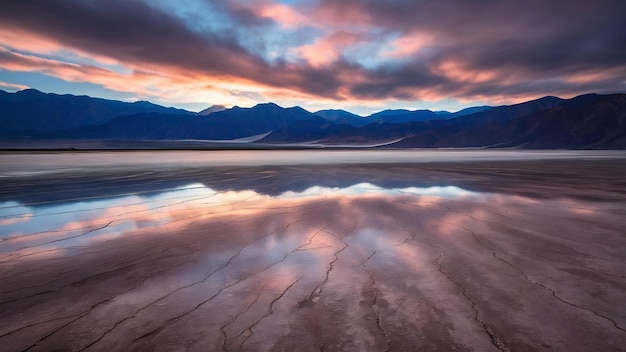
(590, 121)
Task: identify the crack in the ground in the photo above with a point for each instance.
(378, 317)
(270, 311)
(146, 252)
(69, 258)
(12, 258)
(236, 316)
(162, 298)
(103, 301)
(374, 301)
(552, 291)
(94, 306)
(131, 264)
(59, 240)
(364, 262)
(555, 295)
(175, 318)
(117, 219)
(317, 290)
(495, 340)
(310, 240)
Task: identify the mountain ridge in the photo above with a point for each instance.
(589, 121)
(31, 111)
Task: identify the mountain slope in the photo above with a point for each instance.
(223, 125)
(259, 119)
(507, 112)
(588, 121)
(31, 112)
(342, 117)
(471, 110)
(212, 109)
(309, 130)
(395, 116)
(405, 116)
(430, 131)
(584, 122)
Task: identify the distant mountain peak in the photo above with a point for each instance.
(212, 109)
(269, 105)
(298, 108)
(29, 91)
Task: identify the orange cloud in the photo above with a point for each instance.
(456, 71)
(284, 15)
(328, 49)
(145, 83)
(408, 45)
(529, 54)
(318, 54)
(16, 39)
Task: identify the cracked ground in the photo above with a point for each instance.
(483, 256)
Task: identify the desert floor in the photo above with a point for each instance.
(470, 256)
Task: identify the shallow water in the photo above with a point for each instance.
(300, 251)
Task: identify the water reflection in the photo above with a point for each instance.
(324, 263)
(441, 210)
(85, 221)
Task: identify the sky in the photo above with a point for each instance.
(359, 55)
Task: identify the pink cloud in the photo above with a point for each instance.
(147, 82)
(13, 85)
(16, 39)
(328, 49)
(15, 220)
(438, 53)
(284, 15)
(409, 45)
(318, 54)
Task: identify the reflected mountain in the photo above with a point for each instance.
(38, 225)
(551, 178)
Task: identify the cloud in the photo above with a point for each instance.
(13, 86)
(351, 50)
(283, 15)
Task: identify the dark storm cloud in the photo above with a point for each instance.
(132, 31)
(538, 39)
(127, 30)
(528, 47)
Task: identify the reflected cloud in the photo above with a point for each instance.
(84, 222)
(15, 220)
(370, 189)
(43, 228)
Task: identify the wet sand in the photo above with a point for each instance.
(484, 256)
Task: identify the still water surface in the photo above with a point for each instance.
(304, 250)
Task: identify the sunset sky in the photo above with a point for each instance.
(359, 55)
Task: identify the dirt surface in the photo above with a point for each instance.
(484, 256)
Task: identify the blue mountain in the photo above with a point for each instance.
(587, 121)
(30, 111)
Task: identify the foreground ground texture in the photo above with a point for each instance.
(483, 256)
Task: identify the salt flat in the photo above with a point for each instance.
(381, 252)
